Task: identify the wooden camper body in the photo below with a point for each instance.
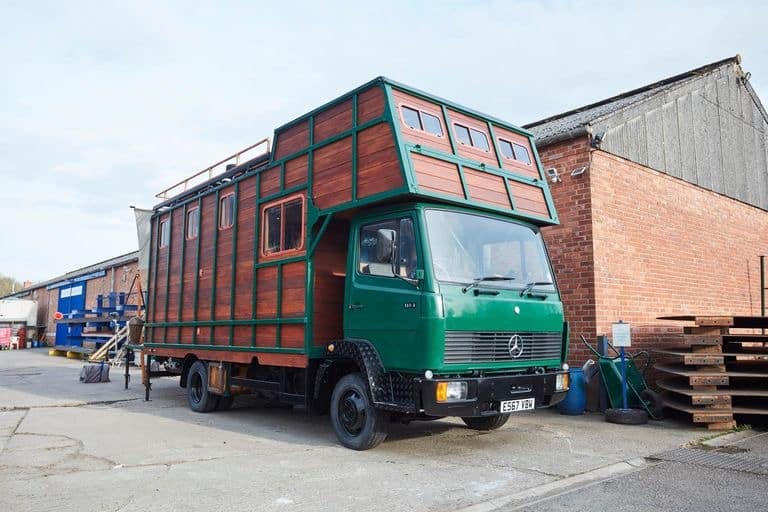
(219, 293)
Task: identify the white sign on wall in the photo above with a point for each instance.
(622, 336)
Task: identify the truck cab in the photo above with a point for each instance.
(460, 303)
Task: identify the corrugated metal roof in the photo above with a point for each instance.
(574, 122)
(102, 265)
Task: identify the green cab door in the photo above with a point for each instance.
(383, 302)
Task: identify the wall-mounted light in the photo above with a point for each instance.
(553, 175)
(578, 171)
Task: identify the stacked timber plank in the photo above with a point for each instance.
(719, 372)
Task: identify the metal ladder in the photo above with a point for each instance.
(103, 352)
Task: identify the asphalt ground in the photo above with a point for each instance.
(67, 446)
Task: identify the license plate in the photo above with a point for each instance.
(524, 404)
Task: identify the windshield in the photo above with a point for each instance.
(467, 247)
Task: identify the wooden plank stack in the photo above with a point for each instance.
(720, 371)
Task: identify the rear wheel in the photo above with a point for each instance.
(357, 423)
(198, 396)
(486, 422)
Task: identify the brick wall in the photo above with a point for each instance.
(663, 246)
(570, 243)
(635, 244)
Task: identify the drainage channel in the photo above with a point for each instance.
(716, 459)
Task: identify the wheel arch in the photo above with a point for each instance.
(186, 364)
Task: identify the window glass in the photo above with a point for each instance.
(462, 134)
(165, 233)
(227, 211)
(293, 223)
(377, 247)
(506, 149)
(479, 140)
(272, 222)
(406, 249)
(283, 227)
(521, 153)
(466, 247)
(411, 117)
(193, 223)
(432, 124)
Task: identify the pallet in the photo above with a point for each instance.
(716, 417)
(717, 373)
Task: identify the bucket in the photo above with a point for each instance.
(576, 399)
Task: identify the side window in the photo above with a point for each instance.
(283, 227)
(421, 120)
(165, 233)
(521, 153)
(193, 223)
(514, 151)
(383, 243)
(479, 140)
(227, 211)
(462, 134)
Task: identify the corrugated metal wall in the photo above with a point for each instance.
(708, 131)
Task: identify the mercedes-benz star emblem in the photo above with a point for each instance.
(515, 346)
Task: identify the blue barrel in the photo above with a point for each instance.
(576, 400)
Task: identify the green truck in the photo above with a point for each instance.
(382, 261)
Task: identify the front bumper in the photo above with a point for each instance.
(486, 393)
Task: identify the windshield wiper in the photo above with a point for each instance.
(479, 280)
(529, 287)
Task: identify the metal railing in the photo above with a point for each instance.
(215, 169)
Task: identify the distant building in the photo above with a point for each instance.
(113, 275)
(662, 195)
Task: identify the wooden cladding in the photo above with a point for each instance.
(333, 121)
(292, 139)
(209, 281)
(378, 165)
(332, 174)
(437, 176)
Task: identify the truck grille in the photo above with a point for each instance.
(488, 347)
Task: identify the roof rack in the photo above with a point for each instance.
(220, 167)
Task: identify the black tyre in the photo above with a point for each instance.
(225, 403)
(486, 422)
(626, 416)
(357, 423)
(198, 396)
(655, 403)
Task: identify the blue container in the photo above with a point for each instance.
(576, 400)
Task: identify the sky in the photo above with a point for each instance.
(103, 104)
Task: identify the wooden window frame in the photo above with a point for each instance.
(186, 223)
(161, 225)
(221, 210)
(263, 235)
(421, 111)
(514, 158)
(472, 146)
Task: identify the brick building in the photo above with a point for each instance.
(113, 275)
(662, 194)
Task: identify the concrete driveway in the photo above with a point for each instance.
(71, 446)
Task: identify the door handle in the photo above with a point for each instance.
(356, 306)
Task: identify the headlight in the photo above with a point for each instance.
(561, 382)
(451, 391)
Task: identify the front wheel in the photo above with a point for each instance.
(486, 422)
(357, 423)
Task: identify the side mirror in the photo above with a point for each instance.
(385, 243)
